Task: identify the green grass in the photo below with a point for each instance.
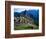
(23, 27)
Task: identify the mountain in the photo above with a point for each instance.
(34, 14)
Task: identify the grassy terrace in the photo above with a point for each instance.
(24, 27)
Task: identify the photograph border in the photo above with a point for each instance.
(8, 19)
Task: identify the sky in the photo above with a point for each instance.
(21, 9)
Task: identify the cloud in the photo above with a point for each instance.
(18, 9)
